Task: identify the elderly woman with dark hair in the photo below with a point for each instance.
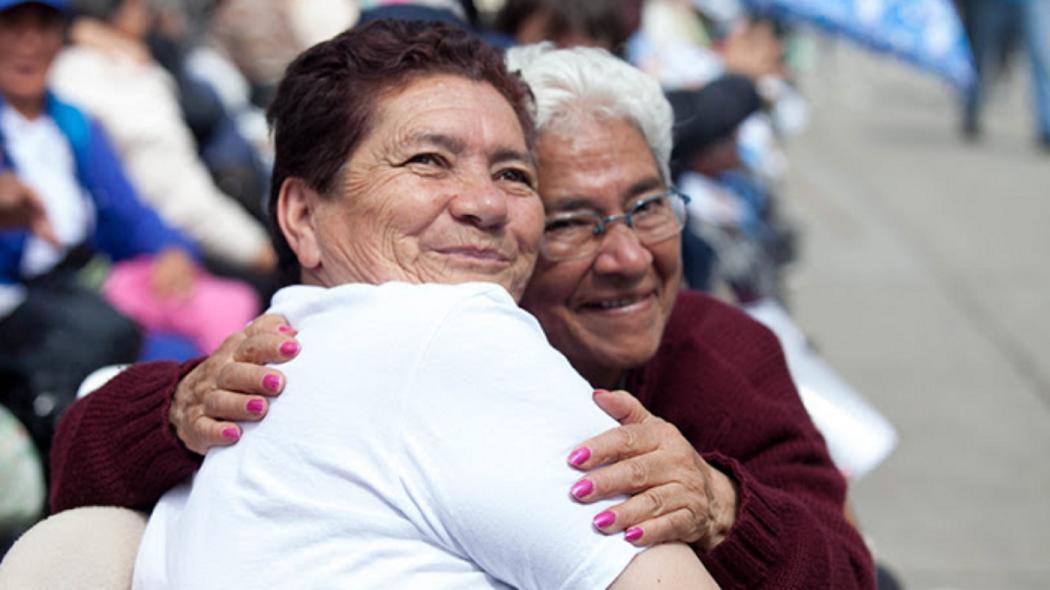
(737, 470)
(404, 194)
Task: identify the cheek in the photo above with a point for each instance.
(667, 260)
(551, 288)
(390, 202)
(528, 217)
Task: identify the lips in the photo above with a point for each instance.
(475, 252)
(619, 302)
(483, 259)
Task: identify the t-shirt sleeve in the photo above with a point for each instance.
(488, 420)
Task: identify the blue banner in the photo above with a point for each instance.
(926, 33)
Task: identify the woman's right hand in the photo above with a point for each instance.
(232, 384)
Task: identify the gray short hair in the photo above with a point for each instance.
(569, 84)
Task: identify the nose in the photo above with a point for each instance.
(621, 253)
(481, 204)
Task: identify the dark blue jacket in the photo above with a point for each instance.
(124, 227)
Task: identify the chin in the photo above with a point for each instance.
(618, 357)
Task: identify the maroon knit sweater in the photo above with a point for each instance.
(719, 376)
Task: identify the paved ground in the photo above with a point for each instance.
(925, 280)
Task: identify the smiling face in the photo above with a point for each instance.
(30, 38)
(605, 312)
(440, 190)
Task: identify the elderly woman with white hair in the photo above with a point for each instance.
(737, 469)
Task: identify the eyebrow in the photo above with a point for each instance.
(452, 144)
(642, 186)
(511, 155)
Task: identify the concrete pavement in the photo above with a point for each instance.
(925, 280)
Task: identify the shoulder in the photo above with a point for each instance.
(712, 345)
(396, 303)
(701, 317)
(83, 130)
(462, 319)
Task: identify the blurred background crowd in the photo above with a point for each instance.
(138, 126)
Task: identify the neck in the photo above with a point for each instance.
(28, 108)
(603, 377)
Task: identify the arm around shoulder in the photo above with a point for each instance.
(115, 446)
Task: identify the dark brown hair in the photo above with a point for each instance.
(326, 102)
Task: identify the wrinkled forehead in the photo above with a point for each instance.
(450, 112)
(599, 163)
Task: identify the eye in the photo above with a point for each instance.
(515, 175)
(649, 205)
(426, 159)
(569, 225)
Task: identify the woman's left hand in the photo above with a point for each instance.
(675, 494)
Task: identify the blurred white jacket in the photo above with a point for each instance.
(136, 103)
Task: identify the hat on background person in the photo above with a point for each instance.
(59, 5)
(706, 116)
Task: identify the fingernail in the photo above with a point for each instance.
(272, 383)
(285, 329)
(289, 348)
(604, 519)
(598, 392)
(582, 488)
(231, 433)
(577, 457)
(255, 406)
(633, 534)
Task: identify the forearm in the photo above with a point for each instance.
(116, 447)
(785, 539)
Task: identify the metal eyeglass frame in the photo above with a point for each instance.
(602, 223)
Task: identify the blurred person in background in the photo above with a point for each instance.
(22, 489)
(109, 70)
(726, 77)
(55, 328)
(573, 23)
(233, 161)
(688, 43)
(263, 36)
(993, 27)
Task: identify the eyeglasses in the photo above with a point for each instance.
(654, 218)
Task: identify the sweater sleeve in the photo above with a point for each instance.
(116, 447)
(722, 379)
(791, 530)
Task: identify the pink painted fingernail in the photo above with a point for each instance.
(577, 457)
(633, 534)
(231, 433)
(255, 406)
(604, 519)
(598, 392)
(285, 329)
(289, 348)
(272, 383)
(582, 488)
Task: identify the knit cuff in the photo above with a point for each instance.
(175, 452)
(148, 456)
(746, 556)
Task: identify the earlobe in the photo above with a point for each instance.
(295, 208)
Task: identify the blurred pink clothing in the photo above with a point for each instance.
(215, 309)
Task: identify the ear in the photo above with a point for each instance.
(296, 205)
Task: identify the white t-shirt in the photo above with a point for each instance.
(421, 443)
